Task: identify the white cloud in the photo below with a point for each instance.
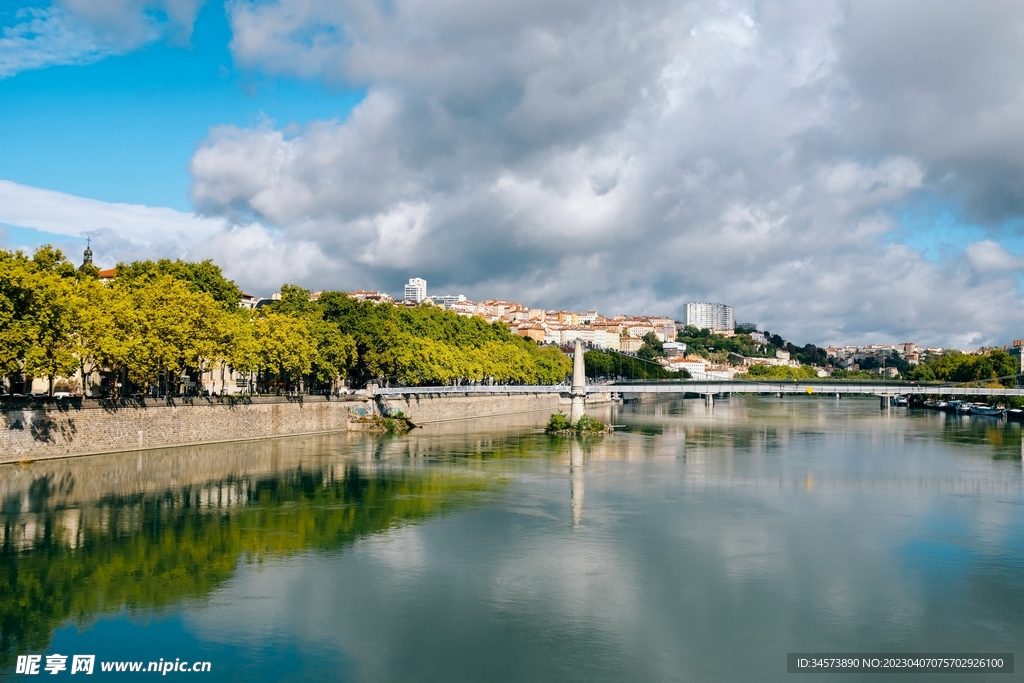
(65, 214)
(85, 31)
(586, 154)
(987, 257)
(260, 259)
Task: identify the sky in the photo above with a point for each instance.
(839, 172)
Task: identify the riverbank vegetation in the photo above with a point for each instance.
(157, 326)
(782, 372)
(397, 423)
(995, 366)
(560, 424)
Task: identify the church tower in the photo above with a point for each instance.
(87, 255)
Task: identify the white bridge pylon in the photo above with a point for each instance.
(579, 384)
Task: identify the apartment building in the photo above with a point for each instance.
(710, 316)
(416, 290)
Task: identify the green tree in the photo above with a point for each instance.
(38, 296)
(652, 347)
(335, 352)
(204, 276)
(17, 304)
(92, 308)
(781, 372)
(284, 346)
(160, 327)
(954, 366)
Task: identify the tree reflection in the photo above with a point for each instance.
(148, 552)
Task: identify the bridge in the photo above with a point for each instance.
(704, 388)
(579, 389)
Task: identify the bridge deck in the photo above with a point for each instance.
(691, 387)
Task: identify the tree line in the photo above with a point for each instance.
(953, 366)
(157, 323)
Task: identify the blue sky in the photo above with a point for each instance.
(124, 128)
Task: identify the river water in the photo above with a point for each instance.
(693, 544)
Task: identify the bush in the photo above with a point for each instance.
(589, 424)
(558, 423)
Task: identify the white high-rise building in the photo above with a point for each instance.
(710, 316)
(416, 290)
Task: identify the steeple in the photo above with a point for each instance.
(87, 255)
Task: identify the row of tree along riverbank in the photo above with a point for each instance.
(158, 327)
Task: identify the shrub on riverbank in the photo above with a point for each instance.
(390, 424)
(560, 424)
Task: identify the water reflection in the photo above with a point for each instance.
(92, 536)
(490, 551)
(576, 468)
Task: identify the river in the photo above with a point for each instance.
(693, 544)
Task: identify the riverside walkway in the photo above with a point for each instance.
(705, 388)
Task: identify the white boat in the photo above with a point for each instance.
(982, 409)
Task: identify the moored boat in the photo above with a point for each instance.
(982, 409)
(1015, 414)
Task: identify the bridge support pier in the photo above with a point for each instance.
(579, 384)
(885, 403)
(710, 400)
(838, 396)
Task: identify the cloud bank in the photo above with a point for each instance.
(635, 156)
(631, 156)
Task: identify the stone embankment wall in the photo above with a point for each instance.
(423, 409)
(60, 428)
(36, 430)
